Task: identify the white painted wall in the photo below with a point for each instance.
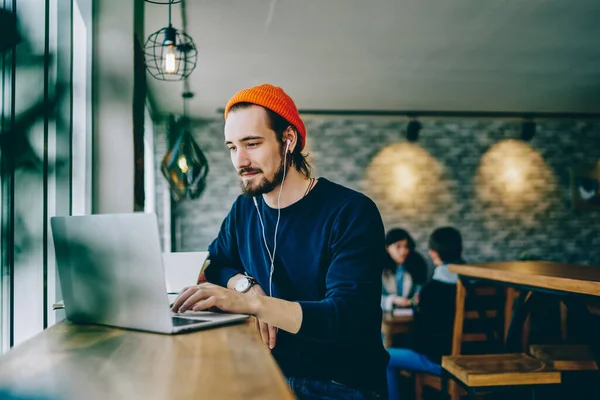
(113, 163)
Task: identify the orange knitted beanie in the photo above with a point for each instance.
(276, 100)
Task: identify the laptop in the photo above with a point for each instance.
(111, 272)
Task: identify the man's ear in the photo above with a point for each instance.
(291, 135)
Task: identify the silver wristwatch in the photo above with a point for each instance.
(244, 284)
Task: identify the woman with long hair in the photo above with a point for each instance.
(404, 274)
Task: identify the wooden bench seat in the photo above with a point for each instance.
(500, 370)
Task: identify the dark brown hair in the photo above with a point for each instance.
(447, 241)
(414, 264)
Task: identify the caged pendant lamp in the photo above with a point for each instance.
(185, 167)
(170, 54)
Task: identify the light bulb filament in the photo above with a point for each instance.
(182, 163)
(170, 60)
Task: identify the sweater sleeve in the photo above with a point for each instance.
(224, 255)
(350, 310)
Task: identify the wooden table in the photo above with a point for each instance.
(392, 325)
(552, 276)
(574, 284)
(70, 361)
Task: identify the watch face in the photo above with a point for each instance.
(242, 285)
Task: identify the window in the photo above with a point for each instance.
(52, 175)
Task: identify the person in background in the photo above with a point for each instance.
(405, 273)
(434, 316)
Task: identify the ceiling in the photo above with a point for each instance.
(460, 55)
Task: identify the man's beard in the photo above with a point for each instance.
(265, 185)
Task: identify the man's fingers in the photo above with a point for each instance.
(268, 333)
(200, 294)
(264, 332)
(272, 336)
(257, 324)
(205, 304)
(183, 296)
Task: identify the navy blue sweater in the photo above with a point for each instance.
(330, 252)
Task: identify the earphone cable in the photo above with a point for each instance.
(277, 225)
(272, 256)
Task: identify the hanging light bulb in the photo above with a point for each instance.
(182, 164)
(170, 60)
(185, 166)
(170, 54)
(170, 51)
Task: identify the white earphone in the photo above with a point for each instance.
(272, 256)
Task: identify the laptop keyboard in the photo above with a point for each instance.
(179, 321)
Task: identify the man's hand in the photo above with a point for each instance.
(268, 333)
(283, 314)
(206, 295)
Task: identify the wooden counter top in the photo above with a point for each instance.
(70, 361)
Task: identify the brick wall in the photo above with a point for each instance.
(506, 196)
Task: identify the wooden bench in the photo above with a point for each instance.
(488, 372)
(485, 306)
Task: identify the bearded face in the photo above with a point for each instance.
(255, 181)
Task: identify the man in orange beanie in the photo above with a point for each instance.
(303, 255)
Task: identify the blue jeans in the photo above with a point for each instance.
(311, 389)
(409, 360)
